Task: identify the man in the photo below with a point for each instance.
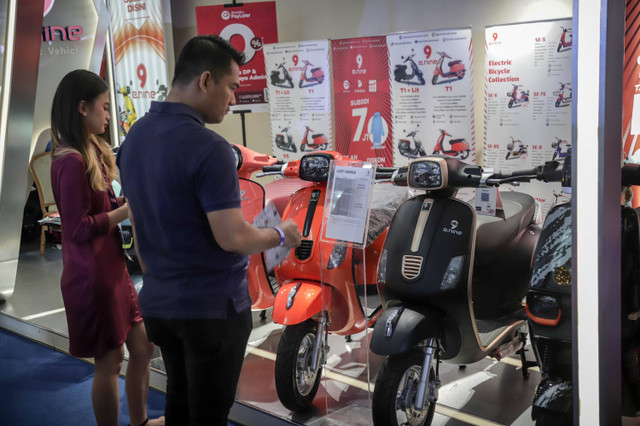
(182, 187)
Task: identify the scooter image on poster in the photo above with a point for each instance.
(316, 77)
(516, 99)
(401, 75)
(161, 91)
(458, 147)
(284, 140)
(565, 44)
(516, 149)
(128, 115)
(319, 141)
(562, 149)
(456, 69)
(280, 77)
(405, 148)
(564, 95)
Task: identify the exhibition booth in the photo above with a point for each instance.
(376, 110)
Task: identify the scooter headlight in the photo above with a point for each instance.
(315, 167)
(428, 174)
(382, 267)
(338, 254)
(543, 309)
(452, 274)
(238, 155)
(561, 276)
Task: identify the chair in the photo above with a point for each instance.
(40, 168)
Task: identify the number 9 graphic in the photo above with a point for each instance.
(427, 51)
(247, 35)
(495, 36)
(359, 60)
(294, 58)
(142, 75)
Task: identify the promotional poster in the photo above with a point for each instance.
(362, 100)
(431, 75)
(248, 27)
(140, 59)
(528, 100)
(299, 97)
(631, 90)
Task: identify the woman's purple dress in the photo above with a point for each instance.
(100, 300)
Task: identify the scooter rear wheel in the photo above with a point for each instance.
(296, 383)
(464, 154)
(395, 392)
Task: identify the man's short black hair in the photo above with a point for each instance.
(205, 53)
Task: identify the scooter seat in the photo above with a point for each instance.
(315, 70)
(317, 135)
(456, 62)
(452, 141)
(495, 233)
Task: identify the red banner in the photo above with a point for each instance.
(248, 28)
(362, 100)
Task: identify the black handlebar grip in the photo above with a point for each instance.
(275, 168)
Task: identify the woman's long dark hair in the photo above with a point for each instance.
(67, 125)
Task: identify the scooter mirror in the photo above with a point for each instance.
(428, 173)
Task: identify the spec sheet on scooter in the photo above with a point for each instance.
(349, 204)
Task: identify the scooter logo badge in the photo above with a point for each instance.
(452, 229)
(225, 15)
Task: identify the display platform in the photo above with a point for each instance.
(484, 393)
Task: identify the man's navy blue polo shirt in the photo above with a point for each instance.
(174, 171)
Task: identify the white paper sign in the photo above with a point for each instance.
(486, 201)
(269, 217)
(349, 204)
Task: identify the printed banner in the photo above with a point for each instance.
(528, 99)
(362, 100)
(432, 94)
(299, 97)
(140, 60)
(631, 89)
(248, 28)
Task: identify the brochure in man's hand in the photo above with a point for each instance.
(267, 218)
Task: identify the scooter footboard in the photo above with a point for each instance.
(400, 328)
(553, 395)
(298, 301)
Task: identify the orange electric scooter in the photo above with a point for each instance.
(321, 282)
(254, 197)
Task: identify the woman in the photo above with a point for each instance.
(100, 300)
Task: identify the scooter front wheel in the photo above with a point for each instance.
(434, 80)
(296, 382)
(464, 154)
(395, 392)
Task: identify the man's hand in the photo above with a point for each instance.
(292, 237)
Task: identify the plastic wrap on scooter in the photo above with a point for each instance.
(384, 203)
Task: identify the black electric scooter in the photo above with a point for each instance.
(550, 313)
(405, 149)
(286, 145)
(285, 81)
(401, 75)
(452, 283)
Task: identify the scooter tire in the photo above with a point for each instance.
(300, 84)
(461, 75)
(421, 80)
(507, 156)
(434, 80)
(559, 46)
(557, 103)
(302, 148)
(464, 154)
(296, 389)
(293, 148)
(555, 154)
(510, 103)
(392, 376)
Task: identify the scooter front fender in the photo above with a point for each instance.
(553, 395)
(297, 301)
(400, 328)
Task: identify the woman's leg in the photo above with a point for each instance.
(104, 392)
(137, 378)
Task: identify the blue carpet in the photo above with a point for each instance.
(39, 385)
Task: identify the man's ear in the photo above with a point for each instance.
(82, 108)
(205, 79)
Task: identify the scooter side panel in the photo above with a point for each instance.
(400, 328)
(308, 299)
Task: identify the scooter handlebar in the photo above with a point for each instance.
(276, 168)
